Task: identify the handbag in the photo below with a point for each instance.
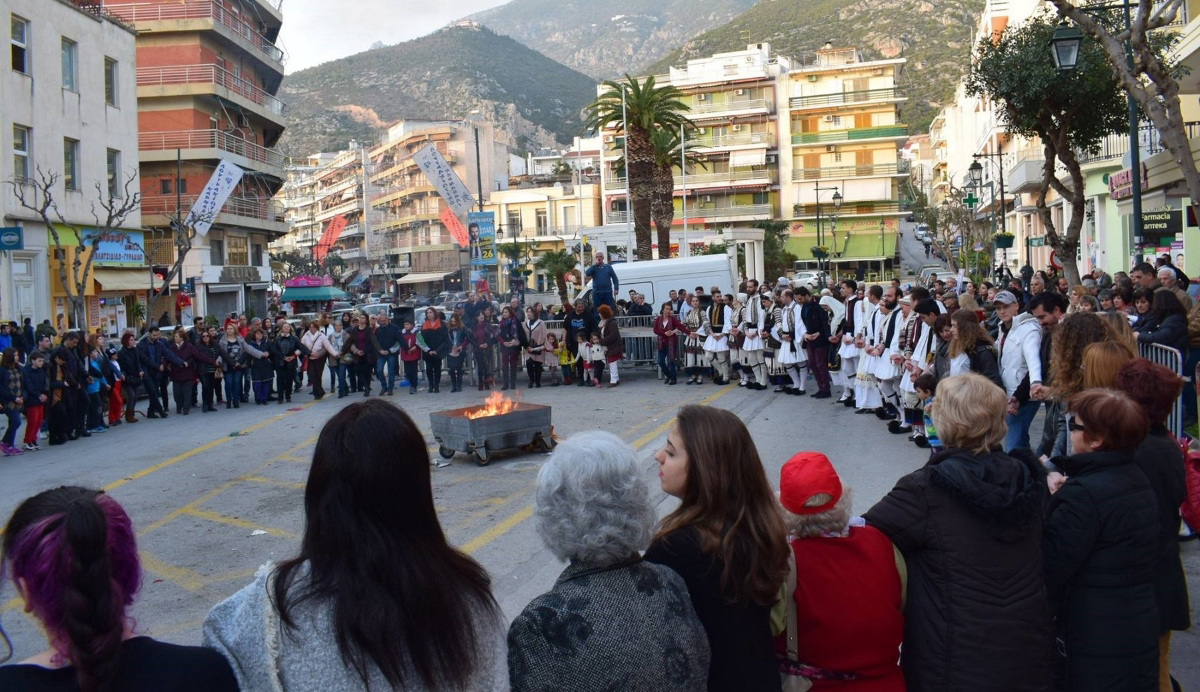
(737, 340)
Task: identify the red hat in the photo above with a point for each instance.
(805, 475)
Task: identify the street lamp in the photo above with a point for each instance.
(1065, 43)
(822, 262)
(976, 171)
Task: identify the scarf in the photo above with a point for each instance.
(435, 324)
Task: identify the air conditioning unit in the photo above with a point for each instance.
(829, 118)
(812, 78)
(706, 199)
(701, 130)
(701, 97)
(737, 128)
(772, 158)
(609, 139)
(878, 72)
(829, 148)
(739, 92)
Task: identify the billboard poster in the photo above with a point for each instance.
(481, 230)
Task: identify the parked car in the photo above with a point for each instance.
(377, 309)
(922, 233)
(374, 297)
(932, 269)
(809, 279)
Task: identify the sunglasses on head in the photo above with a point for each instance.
(1074, 426)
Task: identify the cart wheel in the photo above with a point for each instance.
(481, 456)
(445, 451)
(544, 445)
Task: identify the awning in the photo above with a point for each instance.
(421, 278)
(312, 293)
(857, 247)
(358, 281)
(122, 279)
(748, 157)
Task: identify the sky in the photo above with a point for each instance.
(316, 31)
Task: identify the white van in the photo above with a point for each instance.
(657, 278)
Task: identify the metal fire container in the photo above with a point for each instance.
(526, 424)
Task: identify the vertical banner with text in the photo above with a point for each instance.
(213, 197)
(481, 230)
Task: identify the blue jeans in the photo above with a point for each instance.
(14, 422)
(233, 385)
(338, 373)
(666, 364)
(1018, 425)
(388, 383)
(603, 298)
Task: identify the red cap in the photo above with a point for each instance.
(805, 475)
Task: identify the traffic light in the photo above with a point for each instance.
(160, 274)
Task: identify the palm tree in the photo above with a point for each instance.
(647, 107)
(557, 263)
(668, 146)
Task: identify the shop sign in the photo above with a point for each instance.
(306, 281)
(1162, 223)
(246, 275)
(12, 238)
(1120, 184)
(115, 248)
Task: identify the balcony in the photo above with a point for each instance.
(205, 144)
(871, 170)
(262, 214)
(1114, 147)
(1025, 175)
(855, 208)
(708, 108)
(174, 80)
(351, 231)
(350, 254)
(846, 98)
(352, 204)
(743, 177)
(859, 133)
(200, 15)
(703, 214)
(732, 140)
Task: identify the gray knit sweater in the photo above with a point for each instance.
(245, 628)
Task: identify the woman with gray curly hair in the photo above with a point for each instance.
(612, 620)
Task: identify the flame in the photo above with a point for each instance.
(495, 405)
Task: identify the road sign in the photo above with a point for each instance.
(1037, 242)
(970, 200)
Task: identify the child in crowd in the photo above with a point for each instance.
(583, 360)
(926, 386)
(410, 355)
(557, 350)
(597, 353)
(96, 381)
(33, 381)
(116, 401)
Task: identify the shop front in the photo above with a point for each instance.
(117, 287)
(1168, 222)
(863, 249)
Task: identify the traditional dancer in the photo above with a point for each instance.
(866, 387)
(855, 315)
(911, 332)
(737, 336)
(754, 319)
(717, 319)
(836, 312)
(789, 332)
(693, 345)
(889, 365)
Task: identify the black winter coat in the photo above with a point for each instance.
(983, 362)
(261, 368)
(1100, 547)
(970, 529)
(1160, 459)
(127, 358)
(1171, 332)
(284, 346)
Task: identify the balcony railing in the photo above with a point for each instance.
(261, 209)
(863, 171)
(144, 12)
(700, 179)
(858, 208)
(730, 140)
(753, 210)
(209, 139)
(845, 98)
(856, 133)
(208, 74)
(703, 107)
(1114, 147)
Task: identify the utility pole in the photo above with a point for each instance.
(628, 204)
(685, 250)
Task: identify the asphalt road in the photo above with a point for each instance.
(214, 496)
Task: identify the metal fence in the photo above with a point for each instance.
(1170, 358)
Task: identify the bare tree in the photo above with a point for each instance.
(952, 220)
(1151, 79)
(108, 212)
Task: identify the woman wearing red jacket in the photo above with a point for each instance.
(668, 328)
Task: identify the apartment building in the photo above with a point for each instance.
(843, 133)
(67, 108)
(733, 99)
(208, 72)
(409, 248)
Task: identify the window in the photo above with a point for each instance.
(70, 52)
(540, 219)
(20, 152)
(71, 164)
(20, 44)
(164, 186)
(514, 221)
(216, 251)
(110, 81)
(256, 255)
(182, 185)
(112, 162)
(238, 255)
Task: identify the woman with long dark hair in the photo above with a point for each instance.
(376, 597)
(12, 399)
(132, 369)
(971, 348)
(727, 540)
(458, 337)
(509, 335)
(72, 555)
(1169, 323)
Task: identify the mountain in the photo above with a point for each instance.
(610, 38)
(444, 75)
(935, 36)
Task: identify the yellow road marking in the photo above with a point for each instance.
(272, 481)
(234, 521)
(181, 576)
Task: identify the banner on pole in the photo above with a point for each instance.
(213, 197)
(443, 177)
(457, 230)
(336, 225)
(481, 230)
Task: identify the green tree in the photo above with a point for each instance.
(1069, 111)
(557, 263)
(647, 107)
(668, 148)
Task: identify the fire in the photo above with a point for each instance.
(495, 405)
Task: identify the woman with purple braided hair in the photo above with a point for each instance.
(72, 556)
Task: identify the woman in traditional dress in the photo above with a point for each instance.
(693, 345)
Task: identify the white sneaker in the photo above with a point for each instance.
(28, 447)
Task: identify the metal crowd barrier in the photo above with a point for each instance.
(1173, 359)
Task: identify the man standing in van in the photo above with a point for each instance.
(604, 283)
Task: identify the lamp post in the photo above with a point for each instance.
(1065, 43)
(822, 262)
(976, 170)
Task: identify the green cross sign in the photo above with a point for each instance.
(970, 200)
